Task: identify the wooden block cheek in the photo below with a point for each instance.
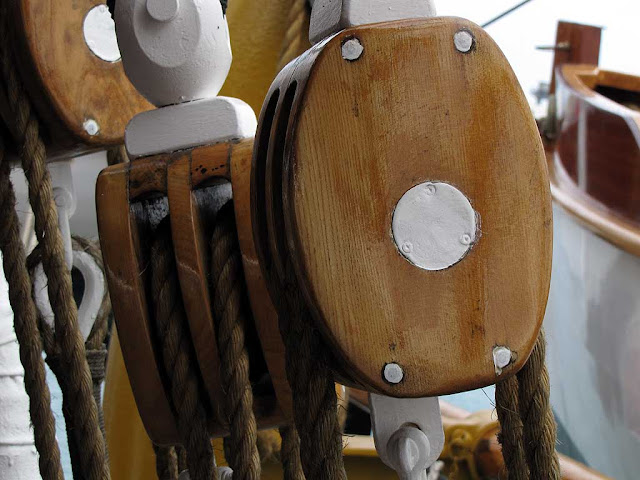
(429, 113)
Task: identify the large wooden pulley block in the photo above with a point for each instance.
(418, 129)
(71, 70)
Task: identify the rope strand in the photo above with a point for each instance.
(229, 306)
(26, 327)
(510, 436)
(178, 357)
(78, 378)
(539, 426)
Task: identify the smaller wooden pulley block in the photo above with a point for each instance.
(399, 174)
(190, 187)
(69, 63)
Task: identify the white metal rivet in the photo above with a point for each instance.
(163, 10)
(465, 239)
(393, 373)
(463, 41)
(430, 188)
(352, 49)
(91, 127)
(99, 33)
(501, 358)
(407, 247)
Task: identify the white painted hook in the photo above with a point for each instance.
(94, 283)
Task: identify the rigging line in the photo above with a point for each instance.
(504, 14)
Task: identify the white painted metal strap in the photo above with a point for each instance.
(188, 125)
(331, 16)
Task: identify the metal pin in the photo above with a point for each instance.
(352, 49)
(393, 373)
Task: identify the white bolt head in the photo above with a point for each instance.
(91, 127)
(393, 373)
(434, 225)
(352, 49)
(501, 358)
(463, 41)
(163, 10)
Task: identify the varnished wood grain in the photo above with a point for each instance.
(595, 160)
(575, 44)
(264, 313)
(429, 113)
(125, 277)
(192, 260)
(66, 81)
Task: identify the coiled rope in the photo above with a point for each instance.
(528, 435)
(178, 357)
(231, 312)
(78, 385)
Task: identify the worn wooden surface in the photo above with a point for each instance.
(386, 126)
(264, 313)
(595, 160)
(126, 277)
(191, 248)
(66, 81)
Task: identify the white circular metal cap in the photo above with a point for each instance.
(100, 34)
(393, 373)
(434, 225)
(91, 127)
(501, 358)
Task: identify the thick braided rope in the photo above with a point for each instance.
(230, 310)
(26, 327)
(295, 39)
(78, 378)
(178, 358)
(539, 426)
(312, 386)
(510, 436)
(166, 462)
(290, 453)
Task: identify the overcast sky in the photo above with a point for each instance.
(535, 24)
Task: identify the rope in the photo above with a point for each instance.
(26, 327)
(539, 426)
(78, 378)
(312, 386)
(178, 357)
(290, 453)
(510, 436)
(96, 351)
(295, 39)
(166, 462)
(229, 303)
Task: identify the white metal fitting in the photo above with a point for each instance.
(464, 41)
(407, 432)
(173, 51)
(434, 225)
(331, 16)
(502, 357)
